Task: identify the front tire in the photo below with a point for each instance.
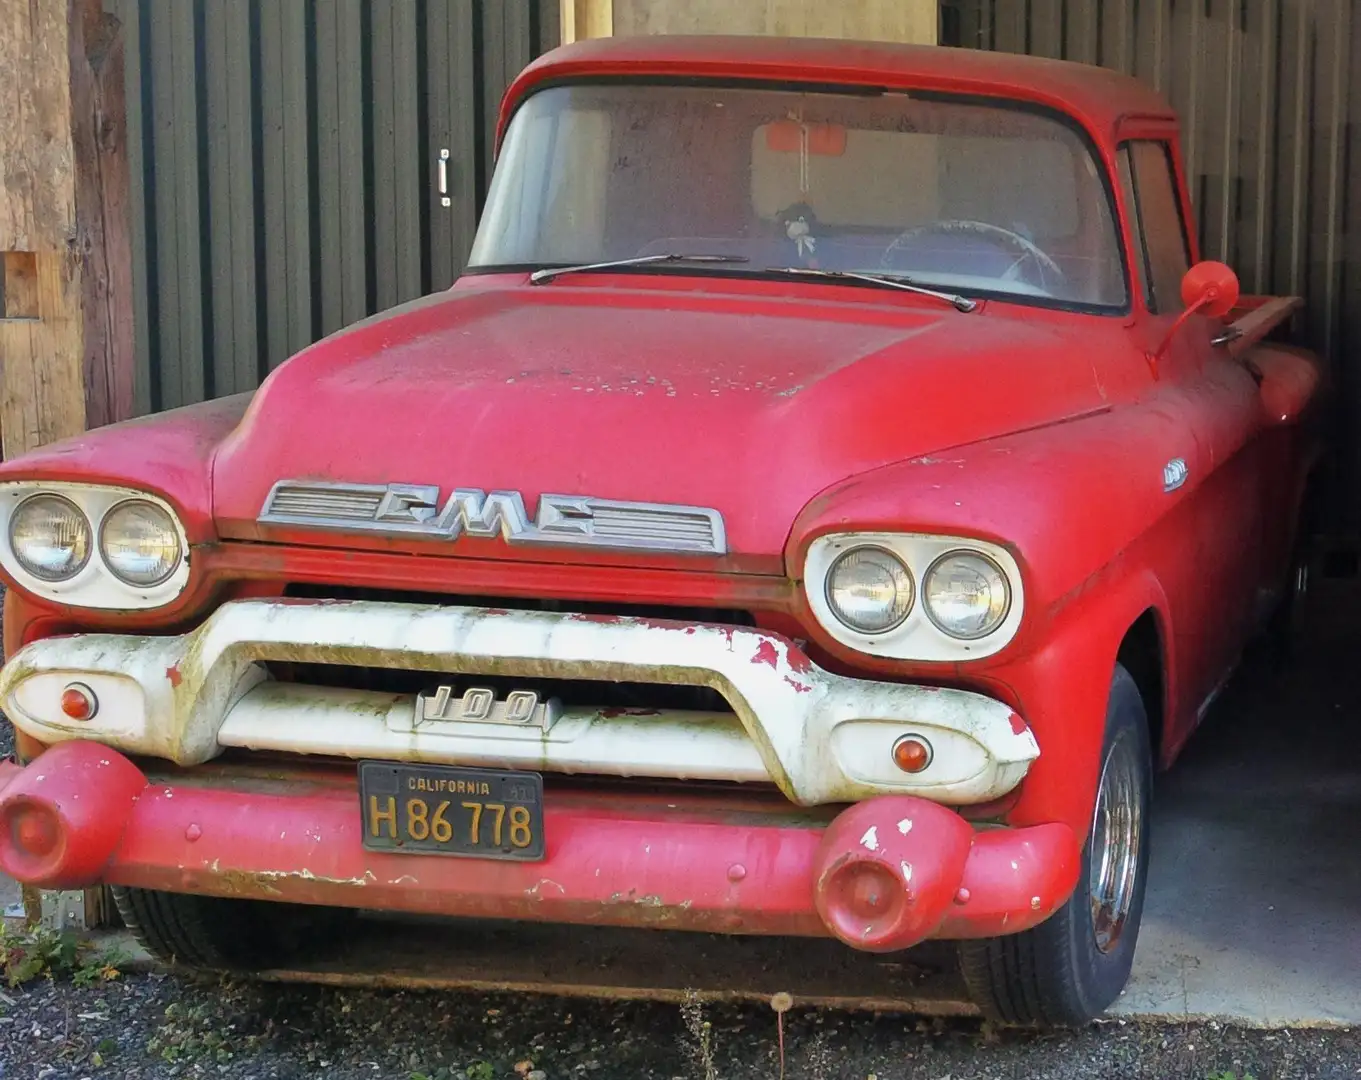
(217, 934)
(1071, 968)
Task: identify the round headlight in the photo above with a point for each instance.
(966, 594)
(139, 543)
(870, 590)
(50, 537)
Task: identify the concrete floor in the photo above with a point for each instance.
(1254, 901)
(1252, 915)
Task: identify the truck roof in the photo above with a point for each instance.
(1098, 97)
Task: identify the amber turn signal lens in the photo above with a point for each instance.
(912, 753)
(78, 702)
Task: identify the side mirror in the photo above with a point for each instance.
(1210, 288)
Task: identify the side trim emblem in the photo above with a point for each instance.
(1174, 474)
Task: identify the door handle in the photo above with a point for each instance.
(443, 168)
(1231, 334)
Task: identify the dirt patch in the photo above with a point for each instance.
(155, 1026)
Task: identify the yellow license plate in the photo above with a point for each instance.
(448, 810)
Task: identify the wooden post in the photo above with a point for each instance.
(66, 348)
(66, 327)
(914, 21)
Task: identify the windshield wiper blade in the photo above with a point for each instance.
(548, 273)
(892, 281)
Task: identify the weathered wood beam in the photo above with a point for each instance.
(66, 328)
(914, 21)
(66, 358)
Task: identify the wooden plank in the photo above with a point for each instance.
(99, 140)
(881, 20)
(58, 224)
(43, 394)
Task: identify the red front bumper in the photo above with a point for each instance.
(885, 874)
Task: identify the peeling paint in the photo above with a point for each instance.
(173, 674)
(871, 838)
(906, 868)
(535, 892)
(766, 654)
(905, 826)
(785, 724)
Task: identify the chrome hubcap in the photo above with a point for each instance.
(1117, 832)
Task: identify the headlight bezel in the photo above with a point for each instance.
(918, 637)
(95, 585)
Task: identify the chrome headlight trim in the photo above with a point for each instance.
(94, 585)
(917, 637)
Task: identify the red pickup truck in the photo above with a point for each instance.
(832, 491)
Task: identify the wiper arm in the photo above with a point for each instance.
(892, 281)
(548, 273)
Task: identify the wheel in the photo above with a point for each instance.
(1071, 968)
(1287, 626)
(223, 935)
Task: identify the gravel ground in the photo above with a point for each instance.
(145, 1026)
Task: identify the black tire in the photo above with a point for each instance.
(1288, 625)
(1055, 975)
(217, 934)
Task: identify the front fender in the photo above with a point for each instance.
(1062, 688)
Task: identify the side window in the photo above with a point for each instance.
(1159, 232)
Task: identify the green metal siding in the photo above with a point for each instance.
(283, 159)
(1269, 92)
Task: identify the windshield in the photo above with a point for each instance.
(969, 197)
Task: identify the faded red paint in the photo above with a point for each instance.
(1018, 725)
(797, 660)
(766, 654)
(599, 869)
(173, 674)
(801, 687)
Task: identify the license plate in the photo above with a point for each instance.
(445, 810)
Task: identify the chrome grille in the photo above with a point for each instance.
(325, 501)
(562, 520)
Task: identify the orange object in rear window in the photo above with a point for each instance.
(825, 140)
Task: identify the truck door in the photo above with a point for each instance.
(1217, 593)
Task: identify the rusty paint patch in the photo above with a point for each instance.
(611, 714)
(603, 620)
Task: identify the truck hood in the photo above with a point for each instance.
(747, 403)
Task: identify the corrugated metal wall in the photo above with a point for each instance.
(1270, 97)
(283, 158)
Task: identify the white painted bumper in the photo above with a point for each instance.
(820, 737)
